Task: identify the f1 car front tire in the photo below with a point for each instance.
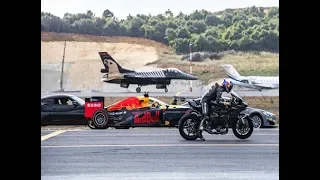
(100, 119)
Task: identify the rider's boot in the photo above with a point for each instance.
(200, 136)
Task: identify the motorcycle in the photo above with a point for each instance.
(221, 117)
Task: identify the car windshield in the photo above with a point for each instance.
(79, 100)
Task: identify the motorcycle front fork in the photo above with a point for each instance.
(242, 119)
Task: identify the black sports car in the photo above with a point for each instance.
(62, 109)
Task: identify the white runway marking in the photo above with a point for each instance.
(143, 134)
(164, 145)
(51, 135)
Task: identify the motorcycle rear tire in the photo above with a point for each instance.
(181, 123)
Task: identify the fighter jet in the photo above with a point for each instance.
(115, 74)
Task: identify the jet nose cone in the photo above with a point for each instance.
(191, 77)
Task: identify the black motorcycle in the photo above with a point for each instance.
(221, 118)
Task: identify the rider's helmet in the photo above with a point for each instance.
(227, 85)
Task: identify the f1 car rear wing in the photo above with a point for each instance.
(92, 105)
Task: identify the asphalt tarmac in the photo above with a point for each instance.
(156, 153)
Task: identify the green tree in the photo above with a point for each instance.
(246, 29)
(107, 14)
(212, 20)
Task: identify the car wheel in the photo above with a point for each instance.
(100, 119)
(256, 120)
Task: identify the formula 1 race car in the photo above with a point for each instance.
(140, 111)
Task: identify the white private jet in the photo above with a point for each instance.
(256, 82)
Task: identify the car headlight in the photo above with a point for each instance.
(267, 113)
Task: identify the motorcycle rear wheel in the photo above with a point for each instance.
(190, 123)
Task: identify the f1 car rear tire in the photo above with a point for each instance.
(100, 119)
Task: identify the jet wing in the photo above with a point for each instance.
(266, 86)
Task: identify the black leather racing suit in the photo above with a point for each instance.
(214, 93)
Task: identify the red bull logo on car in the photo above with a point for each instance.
(128, 103)
(146, 118)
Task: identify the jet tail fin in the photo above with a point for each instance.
(111, 66)
(231, 71)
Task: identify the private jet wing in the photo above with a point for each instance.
(263, 86)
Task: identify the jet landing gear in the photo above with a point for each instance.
(138, 89)
(162, 86)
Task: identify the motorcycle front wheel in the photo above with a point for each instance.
(188, 126)
(243, 130)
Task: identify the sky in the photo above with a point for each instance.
(122, 8)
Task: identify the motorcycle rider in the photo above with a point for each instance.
(214, 93)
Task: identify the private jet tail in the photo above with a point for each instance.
(231, 72)
(111, 66)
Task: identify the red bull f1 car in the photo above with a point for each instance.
(138, 111)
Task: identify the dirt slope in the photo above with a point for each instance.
(82, 62)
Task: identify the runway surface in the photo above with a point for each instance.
(156, 153)
(169, 94)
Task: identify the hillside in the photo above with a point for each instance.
(52, 36)
(83, 64)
